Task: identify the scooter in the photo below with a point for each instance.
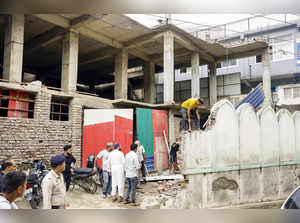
(33, 192)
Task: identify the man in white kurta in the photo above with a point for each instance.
(116, 164)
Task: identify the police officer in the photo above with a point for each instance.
(54, 190)
(69, 160)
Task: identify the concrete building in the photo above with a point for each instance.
(55, 66)
(244, 74)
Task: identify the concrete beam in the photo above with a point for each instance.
(121, 76)
(149, 83)
(195, 62)
(44, 39)
(212, 83)
(98, 55)
(249, 53)
(55, 33)
(168, 67)
(69, 62)
(160, 56)
(188, 44)
(267, 78)
(142, 40)
(83, 30)
(140, 54)
(13, 48)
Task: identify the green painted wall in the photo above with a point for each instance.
(145, 129)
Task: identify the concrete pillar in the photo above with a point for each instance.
(168, 67)
(121, 76)
(195, 75)
(13, 47)
(149, 82)
(212, 83)
(69, 61)
(267, 78)
(172, 126)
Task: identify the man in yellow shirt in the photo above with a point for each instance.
(186, 108)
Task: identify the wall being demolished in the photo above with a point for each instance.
(244, 158)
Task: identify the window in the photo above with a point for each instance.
(16, 104)
(296, 92)
(159, 93)
(288, 93)
(59, 109)
(258, 59)
(182, 90)
(227, 63)
(282, 47)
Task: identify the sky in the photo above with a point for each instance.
(197, 22)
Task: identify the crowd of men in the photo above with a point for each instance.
(116, 169)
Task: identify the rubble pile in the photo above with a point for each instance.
(161, 192)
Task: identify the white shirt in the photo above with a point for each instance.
(131, 164)
(104, 154)
(116, 158)
(54, 190)
(140, 152)
(5, 204)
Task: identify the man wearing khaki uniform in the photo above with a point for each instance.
(54, 190)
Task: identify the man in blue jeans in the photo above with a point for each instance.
(132, 167)
(104, 154)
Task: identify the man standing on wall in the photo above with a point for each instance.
(187, 107)
(116, 164)
(6, 167)
(132, 166)
(69, 160)
(142, 159)
(104, 154)
(53, 187)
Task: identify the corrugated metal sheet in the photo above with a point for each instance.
(145, 134)
(255, 97)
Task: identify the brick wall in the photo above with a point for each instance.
(41, 138)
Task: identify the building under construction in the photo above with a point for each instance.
(56, 68)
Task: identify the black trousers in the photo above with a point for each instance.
(67, 177)
(143, 169)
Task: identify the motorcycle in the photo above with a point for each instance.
(33, 192)
(87, 178)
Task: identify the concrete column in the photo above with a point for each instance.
(121, 76)
(212, 83)
(13, 47)
(195, 75)
(149, 82)
(168, 67)
(267, 78)
(69, 61)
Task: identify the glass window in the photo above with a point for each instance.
(227, 63)
(288, 93)
(296, 92)
(258, 59)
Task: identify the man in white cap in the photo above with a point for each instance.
(116, 163)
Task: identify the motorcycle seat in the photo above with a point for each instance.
(87, 171)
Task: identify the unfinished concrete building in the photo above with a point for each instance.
(53, 67)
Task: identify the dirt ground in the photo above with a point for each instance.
(78, 199)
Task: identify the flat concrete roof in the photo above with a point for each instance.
(101, 36)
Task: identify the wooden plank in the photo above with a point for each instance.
(162, 178)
